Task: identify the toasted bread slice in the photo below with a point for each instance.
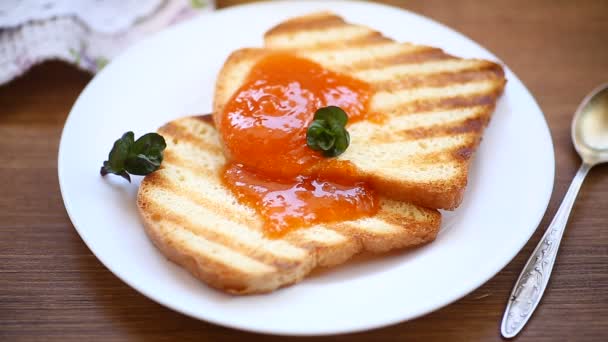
(433, 106)
(198, 223)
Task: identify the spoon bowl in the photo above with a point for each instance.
(590, 127)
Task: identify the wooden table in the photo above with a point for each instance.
(52, 287)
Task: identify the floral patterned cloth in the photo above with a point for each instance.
(87, 33)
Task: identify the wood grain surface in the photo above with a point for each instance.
(53, 288)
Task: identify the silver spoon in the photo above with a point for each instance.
(590, 139)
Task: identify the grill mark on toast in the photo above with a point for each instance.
(345, 58)
(491, 72)
(327, 254)
(167, 183)
(428, 156)
(371, 40)
(263, 256)
(487, 99)
(398, 123)
(173, 159)
(190, 158)
(182, 223)
(424, 161)
(253, 250)
(174, 132)
(455, 154)
(420, 232)
(336, 35)
(349, 229)
(475, 124)
(469, 125)
(407, 149)
(416, 56)
(396, 71)
(373, 37)
(361, 39)
(214, 270)
(309, 238)
(447, 103)
(385, 101)
(376, 239)
(359, 235)
(361, 46)
(199, 128)
(311, 22)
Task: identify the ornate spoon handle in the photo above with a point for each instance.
(533, 280)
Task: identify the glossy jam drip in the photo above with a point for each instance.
(263, 129)
(300, 202)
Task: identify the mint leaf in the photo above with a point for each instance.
(327, 132)
(140, 157)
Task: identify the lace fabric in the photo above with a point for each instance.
(87, 33)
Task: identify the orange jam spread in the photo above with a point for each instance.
(271, 168)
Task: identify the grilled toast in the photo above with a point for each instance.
(198, 223)
(430, 107)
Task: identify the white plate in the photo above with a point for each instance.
(173, 73)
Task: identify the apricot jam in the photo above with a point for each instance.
(263, 129)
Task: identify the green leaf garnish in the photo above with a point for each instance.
(139, 157)
(327, 132)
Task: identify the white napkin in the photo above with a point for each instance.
(87, 33)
